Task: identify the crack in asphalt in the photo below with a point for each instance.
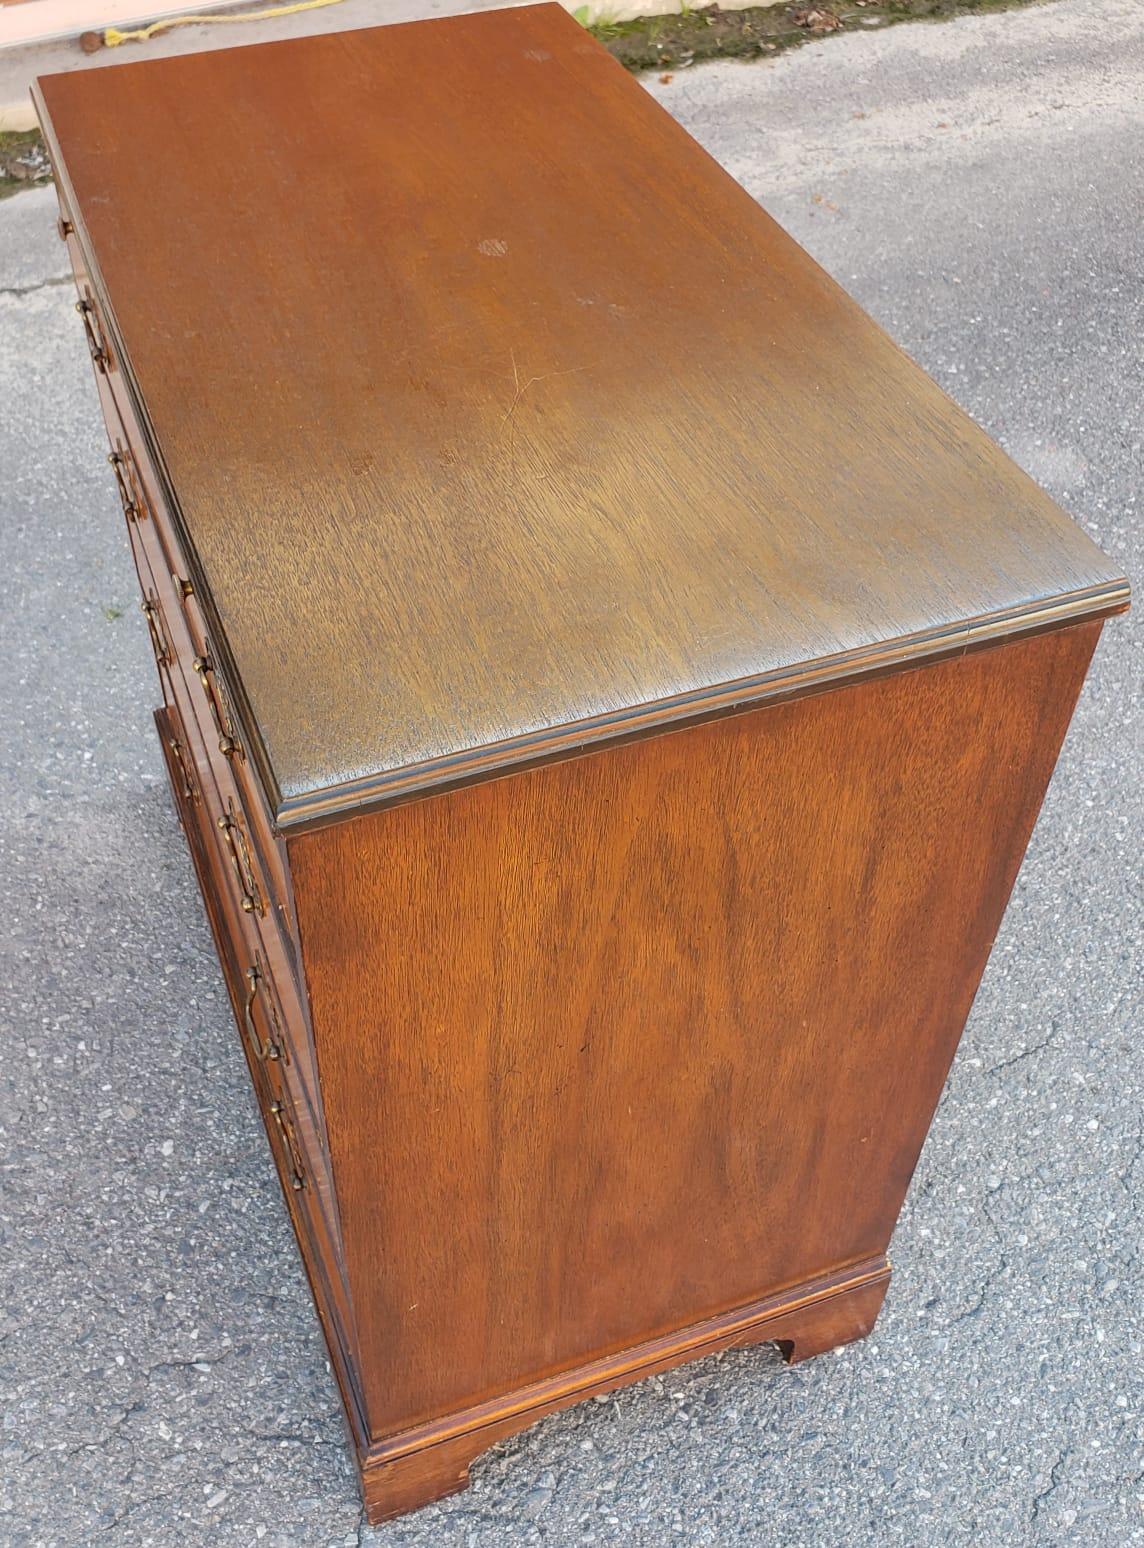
(18, 292)
(1053, 1485)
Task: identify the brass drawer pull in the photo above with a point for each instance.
(154, 619)
(97, 346)
(249, 893)
(286, 1129)
(64, 227)
(190, 790)
(133, 508)
(272, 1048)
(204, 670)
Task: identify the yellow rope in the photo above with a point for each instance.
(112, 37)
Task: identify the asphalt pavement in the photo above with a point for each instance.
(977, 185)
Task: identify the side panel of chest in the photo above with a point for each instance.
(619, 1044)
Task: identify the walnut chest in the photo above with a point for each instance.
(606, 687)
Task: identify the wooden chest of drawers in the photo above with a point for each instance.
(607, 690)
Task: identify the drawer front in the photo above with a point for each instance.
(104, 358)
(179, 759)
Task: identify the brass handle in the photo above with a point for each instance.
(270, 1049)
(190, 789)
(64, 227)
(155, 628)
(133, 509)
(297, 1170)
(204, 670)
(100, 357)
(249, 894)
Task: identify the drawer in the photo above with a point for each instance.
(179, 759)
(104, 357)
(275, 1037)
(152, 609)
(286, 1125)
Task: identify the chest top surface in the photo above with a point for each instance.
(498, 417)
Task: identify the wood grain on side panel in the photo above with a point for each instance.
(617, 1044)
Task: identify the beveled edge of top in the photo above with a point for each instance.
(515, 754)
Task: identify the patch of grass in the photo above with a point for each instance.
(111, 612)
(672, 42)
(23, 160)
(651, 43)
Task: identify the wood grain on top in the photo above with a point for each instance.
(492, 406)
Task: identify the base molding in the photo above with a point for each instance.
(419, 1466)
